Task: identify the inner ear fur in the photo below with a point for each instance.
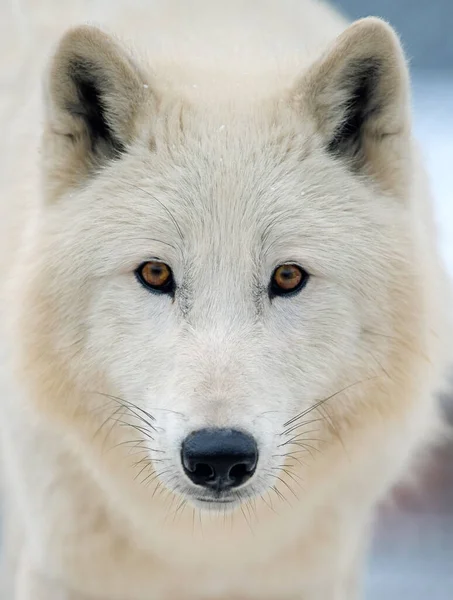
(357, 96)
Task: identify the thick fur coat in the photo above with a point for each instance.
(223, 140)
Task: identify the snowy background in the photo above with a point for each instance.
(412, 555)
(413, 549)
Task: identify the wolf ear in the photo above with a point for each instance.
(93, 94)
(357, 94)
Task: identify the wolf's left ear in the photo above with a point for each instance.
(94, 92)
(357, 94)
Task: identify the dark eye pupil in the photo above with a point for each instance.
(157, 271)
(158, 274)
(288, 274)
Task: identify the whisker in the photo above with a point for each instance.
(136, 427)
(131, 407)
(139, 444)
(320, 402)
(280, 495)
(147, 466)
(245, 516)
(287, 486)
(166, 209)
(107, 420)
(269, 506)
(139, 462)
(307, 447)
(182, 505)
(294, 477)
(298, 425)
(293, 456)
(330, 421)
(297, 438)
(154, 475)
(158, 485)
(301, 433)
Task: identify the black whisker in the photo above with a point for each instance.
(320, 402)
(280, 495)
(298, 425)
(166, 209)
(132, 408)
(147, 466)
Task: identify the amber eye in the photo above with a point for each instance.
(287, 279)
(156, 276)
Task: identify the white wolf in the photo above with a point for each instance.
(223, 308)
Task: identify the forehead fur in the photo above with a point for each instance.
(198, 178)
(223, 156)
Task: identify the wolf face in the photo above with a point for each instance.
(221, 278)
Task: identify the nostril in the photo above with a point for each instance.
(203, 472)
(239, 473)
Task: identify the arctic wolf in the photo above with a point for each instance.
(223, 311)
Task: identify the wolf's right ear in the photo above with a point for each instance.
(93, 95)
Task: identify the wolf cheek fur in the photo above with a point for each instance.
(315, 401)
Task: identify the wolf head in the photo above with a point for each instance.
(221, 283)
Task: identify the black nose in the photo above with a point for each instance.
(219, 459)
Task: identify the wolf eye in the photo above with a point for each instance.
(287, 279)
(156, 276)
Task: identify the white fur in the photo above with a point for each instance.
(226, 176)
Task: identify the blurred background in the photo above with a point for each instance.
(413, 548)
(412, 555)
